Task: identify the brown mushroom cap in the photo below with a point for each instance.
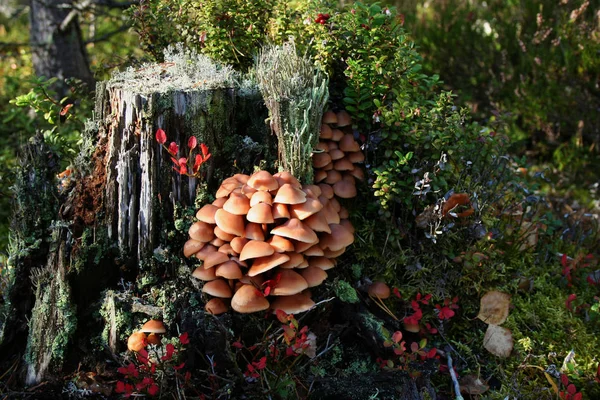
(329, 117)
(295, 260)
(348, 145)
(237, 204)
(344, 189)
(201, 231)
(326, 190)
(315, 250)
(192, 247)
(318, 222)
(306, 209)
(333, 254)
(294, 304)
(339, 238)
(336, 135)
(257, 280)
(228, 186)
(343, 164)
(295, 229)
(325, 132)
(230, 223)
(256, 249)
(379, 289)
(358, 173)
(301, 247)
(356, 157)
(286, 177)
(280, 211)
(153, 338)
(215, 258)
(248, 191)
(254, 231)
(215, 306)
(238, 243)
(217, 288)
(323, 146)
(263, 180)
(219, 202)
(313, 191)
(221, 234)
(336, 154)
(137, 341)
(261, 214)
(290, 282)
(343, 118)
(280, 244)
(261, 197)
(344, 214)
(323, 263)
(320, 175)
(288, 194)
(263, 264)
(205, 251)
(229, 270)
(333, 176)
(346, 224)
(227, 249)
(207, 213)
(153, 326)
(248, 299)
(217, 242)
(204, 274)
(314, 276)
(320, 159)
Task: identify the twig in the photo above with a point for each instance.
(453, 376)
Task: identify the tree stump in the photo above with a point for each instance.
(116, 217)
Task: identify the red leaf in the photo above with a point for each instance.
(192, 142)
(397, 336)
(431, 353)
(204, 150)
(396, 293)
(282, 316)
(153, 389)
(120, 387)
(261, 364)
(170, 350)
(161, 136)
(65, 110)
(571, 389)
(183, 338)
(414, 347)
(178, 367)
(564, 379)
(237, 345)
(198, 162)
(173, 148)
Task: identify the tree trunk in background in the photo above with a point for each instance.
(57, 45)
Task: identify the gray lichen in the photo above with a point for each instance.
(183, 70)
(296, 94)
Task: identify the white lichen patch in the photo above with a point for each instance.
(182, 70)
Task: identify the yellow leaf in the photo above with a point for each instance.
(493, 308)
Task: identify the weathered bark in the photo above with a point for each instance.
(56, 41)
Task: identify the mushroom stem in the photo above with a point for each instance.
(382, 305)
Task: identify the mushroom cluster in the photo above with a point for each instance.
(337, 156)
(267, 235)
(149, 334)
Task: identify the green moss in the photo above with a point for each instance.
(344, 291)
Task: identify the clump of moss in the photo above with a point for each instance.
(344, 291)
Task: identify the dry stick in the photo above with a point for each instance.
(453, 376)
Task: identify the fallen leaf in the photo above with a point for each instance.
(493, 308)
(498, 341)
(471, 384)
